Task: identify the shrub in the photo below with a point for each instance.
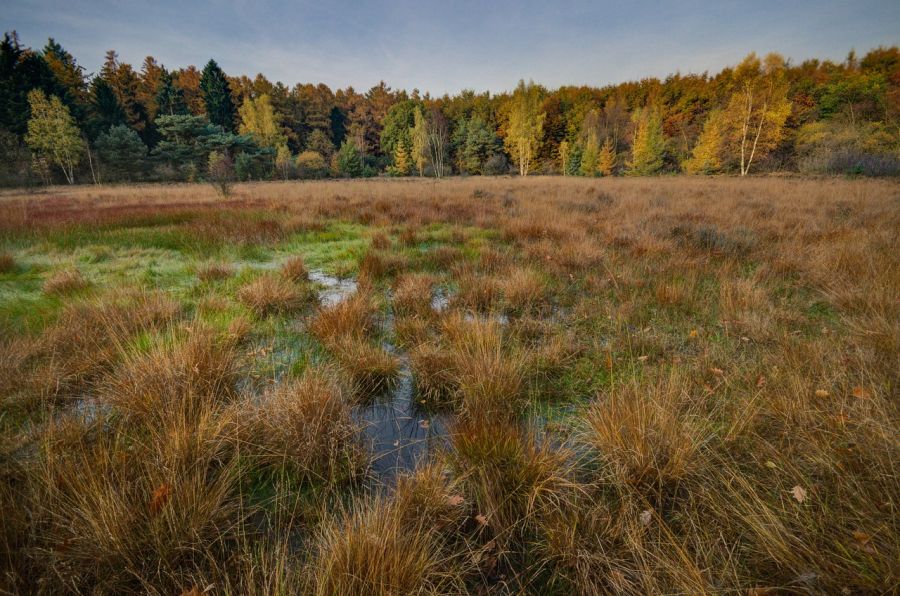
(311, 164)
(220, 170)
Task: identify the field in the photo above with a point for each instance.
(491, 385)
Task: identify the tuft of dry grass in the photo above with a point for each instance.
(644, 435)
(211, 272)
(435, 373)
(412, 295)
(523, 290)
(489, 374)
(303, 425)
(66, 281)
(378, 548)
(478, 293)
(294, 269)
(273, 295)
(369, 369)
(352, 317)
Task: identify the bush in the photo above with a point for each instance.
(311, 164)
(496, 165)
(220, 169)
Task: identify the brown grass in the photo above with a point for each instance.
(7, 263)
(738, 338)
(272, 295)
(64, 282)
(294, 269)
(211, 272)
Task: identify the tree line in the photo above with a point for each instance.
(60, 124)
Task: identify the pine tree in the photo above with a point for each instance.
(649, 145)
(606, 161)
(52, 133)
(105, 111)
(216, 93)
(402, 161)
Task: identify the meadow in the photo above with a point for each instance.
(476, 385)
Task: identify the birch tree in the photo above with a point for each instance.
(757, 110)
(525, 127)
(52, 133)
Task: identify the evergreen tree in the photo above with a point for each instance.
(122, 152)
(21, 70)
(348, 160)
(320, 143)
(104, 110)
(590, 156)
(169, 97)
(649, 145)
(216, 93)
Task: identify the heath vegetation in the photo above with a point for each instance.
(617, 385)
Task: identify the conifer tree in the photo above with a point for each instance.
(606, 160)
(706, 155)
(649, 145)
(216, 92)
(169, 97)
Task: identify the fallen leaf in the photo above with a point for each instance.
(424, 424)
(762, 592)
(643, 358)
(716, 371)
(761, 382)
(860, 393)
(799, 493)
(694, 333)
(482, 520)
(195, 591)
(821, 393)
(771, 465)
(862, 541)
(646, 516)
(160, 498)
(455, 500)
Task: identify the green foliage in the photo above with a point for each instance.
(52, 133)
(169, 97)
(188, 140)
(348, 161)
(258, 119)
(217, 96)
(105, 110)
(122, 153)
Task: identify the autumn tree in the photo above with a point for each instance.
(649, 145)
(216, 93)
(758, 108)
(419, 138)
(706, 155)
(259, 120)
(52, 133)
(525, 125)
(437, 132)
(606, 159)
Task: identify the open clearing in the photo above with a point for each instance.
(543, 385)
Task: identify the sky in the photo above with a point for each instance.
(449, 45)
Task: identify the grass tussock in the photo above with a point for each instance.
(412, 295)
(352, 317)
(369, 369)
(66, 281)
(294, 269)
(213, 272)
(272, 295)
(305, 427)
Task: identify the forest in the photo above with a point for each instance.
(61, 124)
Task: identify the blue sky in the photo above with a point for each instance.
(446, 46)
